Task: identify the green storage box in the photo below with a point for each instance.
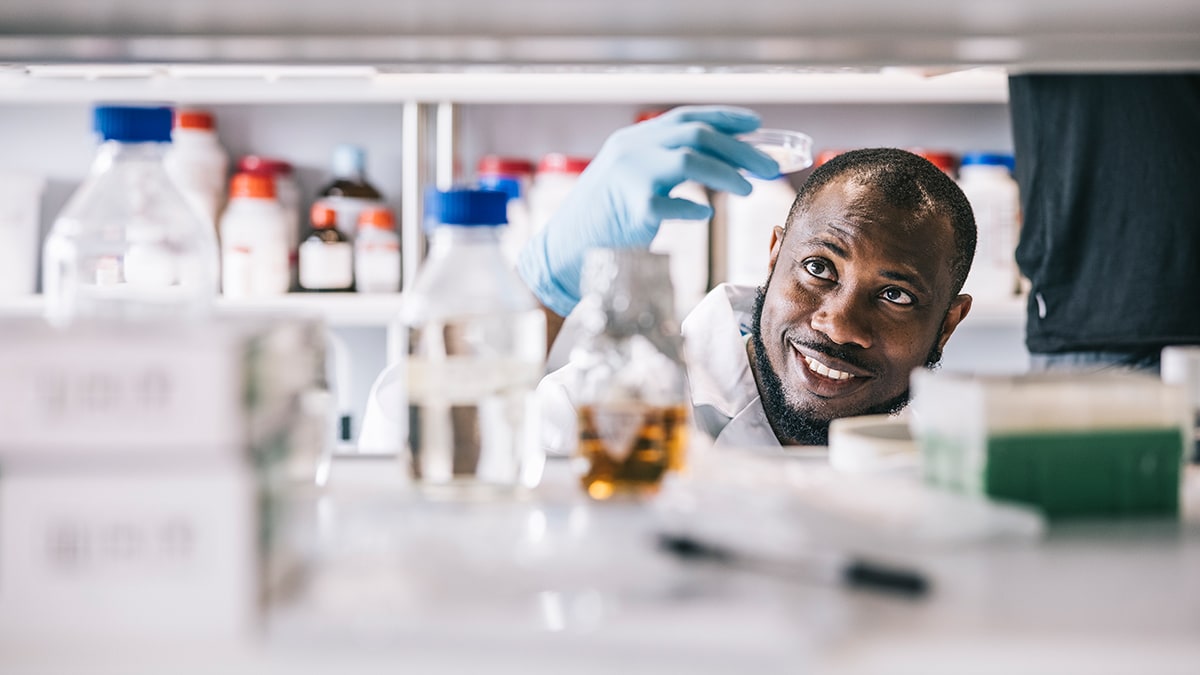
(1075, 445)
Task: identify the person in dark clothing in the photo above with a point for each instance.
(1109, 173)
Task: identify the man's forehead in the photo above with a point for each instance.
(853, 214)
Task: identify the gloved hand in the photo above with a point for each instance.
(622, 196)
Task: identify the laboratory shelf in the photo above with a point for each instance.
(231, 84)
(337, 309)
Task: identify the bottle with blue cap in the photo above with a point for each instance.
(476, 352)
(127, 245)
(986, 180)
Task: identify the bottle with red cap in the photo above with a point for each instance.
(287, 192)
(512, 176)
(377, 252)
(254, 247)
(197, 162)
(556, 175)
(326, 255)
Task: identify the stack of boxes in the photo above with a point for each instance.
(139, 470)
(1073, 445)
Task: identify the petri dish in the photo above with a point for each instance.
(792, 150)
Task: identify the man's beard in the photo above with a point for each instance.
(798, 427)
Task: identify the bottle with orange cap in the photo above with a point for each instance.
(197, 162)
(326, 255)
(377, 252)
(254, 247)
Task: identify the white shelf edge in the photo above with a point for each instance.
(337, 309)
(270, 84)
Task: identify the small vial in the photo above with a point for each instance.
(326, 255)
(377, 252)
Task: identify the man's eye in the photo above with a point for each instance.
(819, 269)
(897, 296)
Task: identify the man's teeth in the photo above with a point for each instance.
(822, 369)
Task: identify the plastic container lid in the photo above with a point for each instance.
(792, 150)
(946, 161)
(495, 165)
(267, 166)
(252, 185)
(323, 216)
(559, 163)
(988, 159)
(464, 206)
(827, 154)
(133, 124)
(348, 160)
(649, 114)
(506, 184)
(194, 119)
(377, 217)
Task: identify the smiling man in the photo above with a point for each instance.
(863, 288)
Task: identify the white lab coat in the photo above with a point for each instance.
(725, 401)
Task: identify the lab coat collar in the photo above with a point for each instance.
(724, 392)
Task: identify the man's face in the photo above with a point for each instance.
(859, 295)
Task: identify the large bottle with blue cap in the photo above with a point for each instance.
(476, 352)
(127, 245)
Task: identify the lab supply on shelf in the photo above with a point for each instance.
(326, 255)
(749, 222)
(476, 350)
(142, 468)
(20, 209)
(1073, 445)
(946, 161)
(254, 245)
(127, 245)
(1180, 365)
(287, 193)
(556, 176)
(197, 162)
(349, 192)
(377, 252)
(685, 242)
(631, 388)
(986, 180)
(512, 176)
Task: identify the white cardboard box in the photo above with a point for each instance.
(122, 559)
(161, 389)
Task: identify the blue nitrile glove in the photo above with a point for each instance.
(622, 196)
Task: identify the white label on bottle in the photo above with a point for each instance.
(377, 268)
(237, 267)
(326, 265)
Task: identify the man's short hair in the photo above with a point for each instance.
(906, 181)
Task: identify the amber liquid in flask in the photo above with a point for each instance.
(628, 449)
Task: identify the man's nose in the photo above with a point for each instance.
(843, 319)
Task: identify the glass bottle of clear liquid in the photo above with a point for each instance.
(127, 245)
(476, 352)
(631, 392)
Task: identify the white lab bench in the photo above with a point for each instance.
(556, 583)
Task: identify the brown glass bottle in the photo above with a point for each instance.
(326, 258)
(630, 461)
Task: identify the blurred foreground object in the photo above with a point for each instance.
(1073, 445)
(631, 387)
(141, 469)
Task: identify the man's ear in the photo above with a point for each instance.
(959, 308)
(776, 244)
